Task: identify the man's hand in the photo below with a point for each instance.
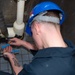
(7, 52)
(15, 41)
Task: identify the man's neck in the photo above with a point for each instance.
(53, 39)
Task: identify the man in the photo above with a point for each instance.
(55, 55)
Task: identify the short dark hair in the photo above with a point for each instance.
(53, 13)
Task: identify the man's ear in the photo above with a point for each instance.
(37, 27)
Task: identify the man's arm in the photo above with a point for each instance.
(12, 59)
(14, 63)
(29, 46)
(18, 42)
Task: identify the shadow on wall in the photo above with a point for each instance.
(9, 10)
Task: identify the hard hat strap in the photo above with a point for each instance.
(53, 19)
(42, 17)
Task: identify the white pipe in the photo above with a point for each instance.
(19, 24)
(18, 29)
(20, 11)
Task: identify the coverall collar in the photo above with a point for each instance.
(57, 51)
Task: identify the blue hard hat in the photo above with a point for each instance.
(39, 8)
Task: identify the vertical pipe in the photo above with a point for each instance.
(19, 24)
(20, 11)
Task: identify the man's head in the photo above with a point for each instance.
(40, 10)
(42, 27)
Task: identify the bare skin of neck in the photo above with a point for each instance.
(51, 37)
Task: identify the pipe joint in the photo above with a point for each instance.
(18, 29)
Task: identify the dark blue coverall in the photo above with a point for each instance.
(52, 61)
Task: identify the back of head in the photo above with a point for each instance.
(48, 16)
(45, 11)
